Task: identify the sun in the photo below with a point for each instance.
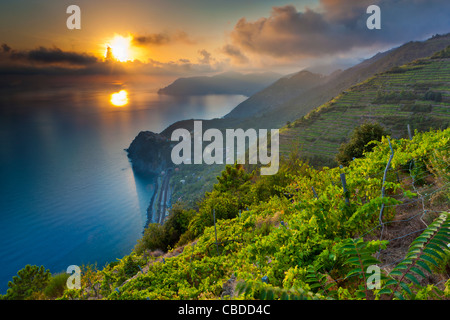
(119, 49)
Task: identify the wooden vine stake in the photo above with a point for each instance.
(344, 186)
(315, 193)
(409, 132)
(380, 217)
(215, 230)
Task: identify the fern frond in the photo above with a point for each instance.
(359, 256)
(424, 250)
(265, 292)
(318, 280)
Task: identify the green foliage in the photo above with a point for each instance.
(157, 236)
(153, 238)
(269, 186)
(427, 249)
(392, 99)
(226, 206)
(383, 97)
(433, 96)
(277, 238)
(445, 53)
(424, 251)
(234, 180)
(95, 282)
(260, 291)
(229, 195)
(359, 257)
(397, 70)
(56, 285)
(29, 280)
(177, 223)
(359, 142)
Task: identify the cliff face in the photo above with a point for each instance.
(150, 153)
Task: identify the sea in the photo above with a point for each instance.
(68, 194)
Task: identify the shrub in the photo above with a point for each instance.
(152, 239)
(177, 224)
(56, 285)
(433, 96)
(29, 280)
(359, 142)
(157, 236)
(445, 53)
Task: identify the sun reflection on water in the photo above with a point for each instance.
(119, 99)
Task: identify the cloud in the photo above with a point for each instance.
(237, 57)
(162, 38)
(183, 67)
(152, 39)
(335, 27)
(346, 12)
(205, 57)
(5, 48)
(54, 61)
(44, 55)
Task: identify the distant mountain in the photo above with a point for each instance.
(295, 102)
(322, 117)
(291, 98)
(280, 91)
(224, 83)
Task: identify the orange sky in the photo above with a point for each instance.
(206, 36)
(27, 24)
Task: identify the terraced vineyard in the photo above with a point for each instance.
(417, 94)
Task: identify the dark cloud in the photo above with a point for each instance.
(205, 57)
(158, 39)
(345, 12)
(152, 39)
(43, 55)
(6, 48)
(55, 61)
(338, 26)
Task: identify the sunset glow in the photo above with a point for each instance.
(120, 49)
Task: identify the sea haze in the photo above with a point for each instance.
(68, 194)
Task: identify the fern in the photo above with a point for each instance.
(267, 292)
(319, 281)
(427, 249)
(359, 257)
(424, 250)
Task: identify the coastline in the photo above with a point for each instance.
(156, 211)
(150, 207)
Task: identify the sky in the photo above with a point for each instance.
(195, 37)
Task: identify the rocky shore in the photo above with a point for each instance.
(150, 153)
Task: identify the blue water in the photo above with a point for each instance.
(68, 194)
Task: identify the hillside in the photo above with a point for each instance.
(280, 91)
(417, 94)
(306, 233)
(301, 103)
(304, 238)
(319, 139)
(224, 83)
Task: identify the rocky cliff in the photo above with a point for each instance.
(150, 153)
